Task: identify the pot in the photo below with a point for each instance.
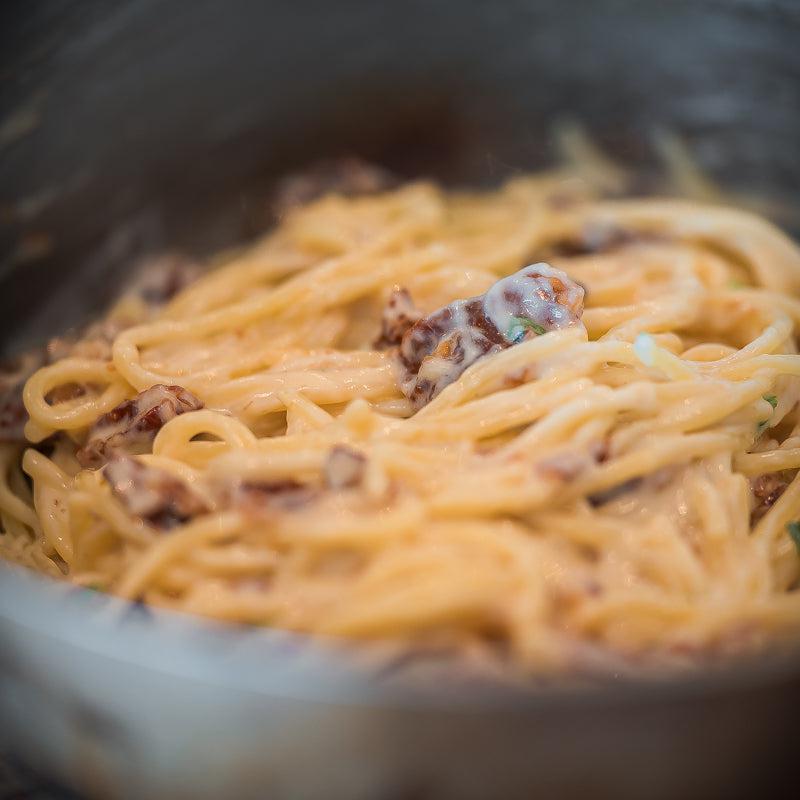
(128, 128)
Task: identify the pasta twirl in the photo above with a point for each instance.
(612, 472)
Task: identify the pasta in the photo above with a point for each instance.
(614, 481)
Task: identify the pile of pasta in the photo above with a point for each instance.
(621, 491)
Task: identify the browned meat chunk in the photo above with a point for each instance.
(93, 342)
(596, 236)
(161, 278)
(65, 392)
(346, 176)
(614, 493)
(344, 467)
(13, 375)
(435, 350)
(13, 416)
(399, 315)
(767, 489)
(131, 427)
(152, 494)
(258, 496)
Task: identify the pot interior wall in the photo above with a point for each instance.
(125, 128)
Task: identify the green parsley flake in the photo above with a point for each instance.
(793, 529)
(518, 327)
(773, 401)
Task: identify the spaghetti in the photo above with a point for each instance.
(348, 429)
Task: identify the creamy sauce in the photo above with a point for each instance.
(540, 294)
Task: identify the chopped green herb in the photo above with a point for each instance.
(518, 327)
(94, 587)
(736, 284)
(773, 401)
(793, 529)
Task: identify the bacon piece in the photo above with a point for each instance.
(437, 349)
(65, 392)
(131, 426)
(398, 317)
(654, 481)
(614, 492)
(93, 342)
(596, 236)
(152, 494)
(565, 467)
(259, 496)
(346, 176)
(13, 375)
(164, 276)
(13, 416)
(767, 489)
(344, 467)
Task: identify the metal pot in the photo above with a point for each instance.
(126, 128)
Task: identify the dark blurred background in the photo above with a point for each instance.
(124, 125)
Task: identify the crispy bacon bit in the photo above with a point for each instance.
(65, 392)
(13, 416)
(93, 342)
(564, 466)
(260, 496)
(614, 493)
(767, 489)
(345, 176)
(596, 236)
(569, 465)
(131, 426)
(13, 375)
(399, 315)
(152, 494)
(437, 349)
(600, 450)
(655, 481)
(344, 467)
(161, 278)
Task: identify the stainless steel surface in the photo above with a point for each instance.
(124, 702)
(127, 126)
